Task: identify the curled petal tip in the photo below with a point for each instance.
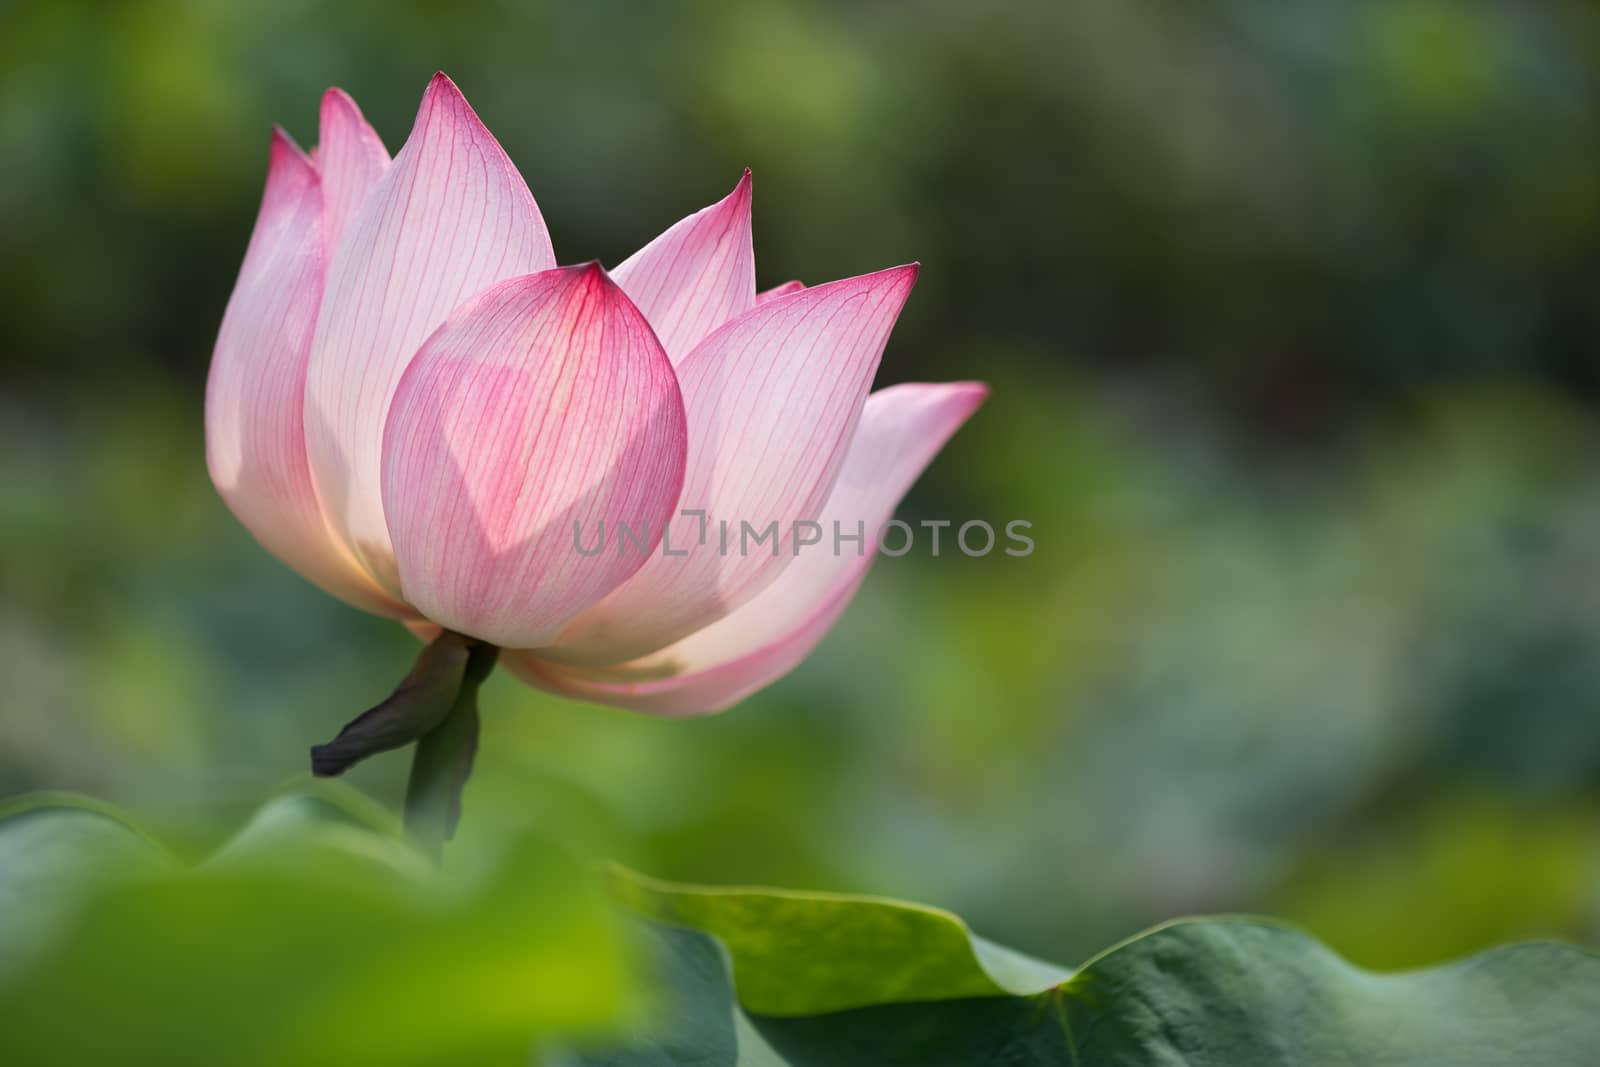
(281, 141)
(899, 280)
(971, 396)
(739, 199)
(591, 274)
(337, 102)
(443, 92)
(441, 84)
(905, 275)
(783, 289)
(285, 153)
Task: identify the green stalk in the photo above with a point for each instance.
(443, 761)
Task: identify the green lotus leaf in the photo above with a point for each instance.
(316, 935)
(791, 955)
(821, 980)
(54, 849)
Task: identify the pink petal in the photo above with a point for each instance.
(772, 399)
(543, 403)
(450, 217)
(902, 428)
(779, 290)
(351, 158)
(255, 442)
(697, 275)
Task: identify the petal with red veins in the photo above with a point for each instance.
(902, 429)
(697, 275)
(351, 158)
(448, 218)
(544, 405)
(772, 399)
(255, 439)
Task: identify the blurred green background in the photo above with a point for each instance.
(1292, 314)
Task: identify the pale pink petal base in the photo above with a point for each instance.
(542, 410)
(255, 439)
(772, 399)
(902, 428)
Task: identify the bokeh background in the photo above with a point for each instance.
(1292, 314)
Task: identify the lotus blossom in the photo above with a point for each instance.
(415, 408)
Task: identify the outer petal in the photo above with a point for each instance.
(544, 403)
(255, 440)
(773, 398)
(450, 217)
(351, 158)
(782, 289)
(902, 428)
(697, 275)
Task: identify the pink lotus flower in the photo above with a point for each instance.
(415, 408)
